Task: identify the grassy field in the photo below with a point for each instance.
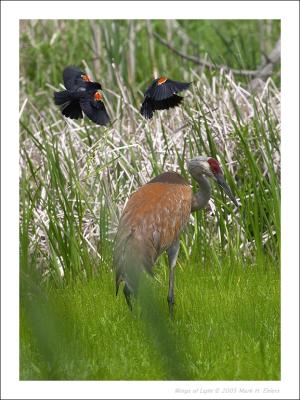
(225, 327)
(75, 178)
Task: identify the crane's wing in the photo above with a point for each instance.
(152, 220)
(156, 214)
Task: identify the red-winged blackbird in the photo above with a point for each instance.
(74, 77)
(161, 95)
(81, 95)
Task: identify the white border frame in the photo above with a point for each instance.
(288, 12)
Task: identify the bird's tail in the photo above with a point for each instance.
(128, 263)
(61, 98)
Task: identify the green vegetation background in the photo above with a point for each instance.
(75, 178)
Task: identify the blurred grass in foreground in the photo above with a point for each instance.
(226, 327)
(75, 178)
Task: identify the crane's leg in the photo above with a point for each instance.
(172, 258)
(127, 294)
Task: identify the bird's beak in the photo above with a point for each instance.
(221, 181)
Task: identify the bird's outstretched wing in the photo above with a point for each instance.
(72, 110)
(95, 111)
(167, 103)
(146, 109)
(162, 88)
(149, 105)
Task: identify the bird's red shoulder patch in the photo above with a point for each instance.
(98, 96)
(214, 165)
(86, 78)
(162, 80)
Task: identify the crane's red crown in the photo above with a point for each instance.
(214, 166)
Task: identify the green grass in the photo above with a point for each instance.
(226, 327)
(75, 178)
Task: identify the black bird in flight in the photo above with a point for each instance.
(81, 95)
(161, 95)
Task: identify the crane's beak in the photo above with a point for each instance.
(221, 181)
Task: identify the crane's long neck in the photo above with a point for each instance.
(200, 199)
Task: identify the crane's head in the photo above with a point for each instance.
(209, 167)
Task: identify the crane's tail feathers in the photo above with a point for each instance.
(127, 294)
(128, 262)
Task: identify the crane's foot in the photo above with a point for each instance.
(127, 294)
(171, 306)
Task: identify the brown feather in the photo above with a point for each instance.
(152, 220)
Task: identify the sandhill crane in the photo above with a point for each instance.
(153, 219)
